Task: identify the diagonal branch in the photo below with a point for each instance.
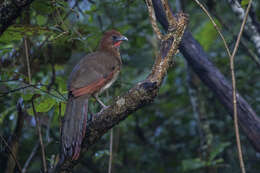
(215, 80)
(137, 97)
(38, 125)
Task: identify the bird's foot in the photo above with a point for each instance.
(101, 103)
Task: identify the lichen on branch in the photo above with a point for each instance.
(143, 92)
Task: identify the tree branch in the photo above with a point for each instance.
(141, 94)
(14, 144)
(214, 79)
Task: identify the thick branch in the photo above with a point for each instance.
(9, 11)
(214, 79)
(141, 94)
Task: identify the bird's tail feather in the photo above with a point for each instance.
(74, 126)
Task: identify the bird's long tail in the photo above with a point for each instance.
(74, 126)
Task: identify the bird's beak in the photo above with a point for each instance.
(122, 38)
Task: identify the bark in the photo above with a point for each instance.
(215, 81)
(140, 95)
(9, 11)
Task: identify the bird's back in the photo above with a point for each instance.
(92, 68)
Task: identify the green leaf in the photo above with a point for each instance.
(42, 105)
(41, 20)
(207, 34)
(30, 111)
(27, 96)
(192, 164)
(43, 7)
(217, 150)
(45, 105)
(17, 32)
(244, 3)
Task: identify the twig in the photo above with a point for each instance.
(35, 86)
(12, 154)
(252, 55)
(27, 60)
(173, 25)
(170, 18)
(34, 111)
(10, 80)
(250, 27)
(215, 25)
(14, 143)
(14, 90)
(38, 124)
(240, 155)
(29, 159)
(110, 152)
(156, 29)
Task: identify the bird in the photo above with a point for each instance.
(93, 74)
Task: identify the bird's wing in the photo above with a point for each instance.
(91, 73)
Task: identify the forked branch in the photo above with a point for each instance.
(142, 93)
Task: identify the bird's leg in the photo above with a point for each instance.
(100, 102)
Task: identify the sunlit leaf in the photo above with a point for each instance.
(41, 20)
(192, 164)
(218, 150)
(244, 3)
(207, 34)
(45, 105)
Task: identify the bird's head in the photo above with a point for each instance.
(111, 40)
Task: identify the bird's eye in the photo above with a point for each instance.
(114, 37)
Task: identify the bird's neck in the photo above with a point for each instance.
(114, 51)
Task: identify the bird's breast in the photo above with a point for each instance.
(108, 84)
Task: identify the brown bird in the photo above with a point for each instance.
(93, 74)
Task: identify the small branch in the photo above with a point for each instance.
(29, 159)
(216, 26)
(110, 152)
(27, 60)
(12, 154)
(14, 144)
(252, 55)
(38, 124)
(35, 86)
(15, 90)
(240, 155)
(34, 111)
(250, 28)
(169, 15)
(156, 29)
